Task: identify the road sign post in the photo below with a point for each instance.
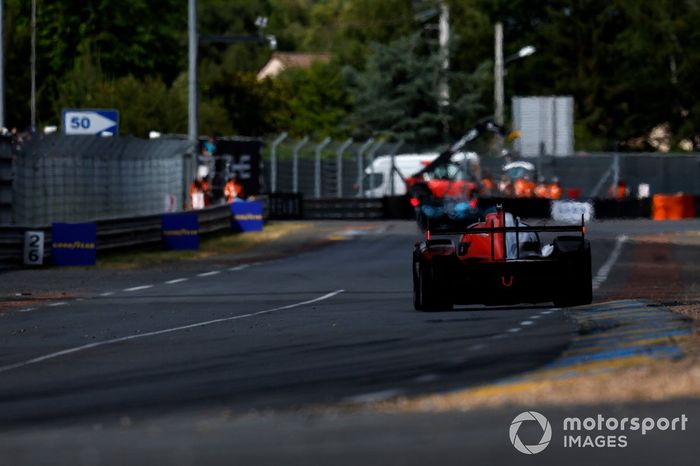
(90, 122)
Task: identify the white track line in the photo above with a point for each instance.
(61, 303)
(209, 274)
(29, 309)
(177, 280)
(238, 267)
(138, 288)
(604, 270)
(96, 344)
(107, 293)
(526, 322)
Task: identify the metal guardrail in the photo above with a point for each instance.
(293, 206)
(12, 244)
(122, 233)
(352, 208)
(112, 234)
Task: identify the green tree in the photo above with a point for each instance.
(312, 102)
(398, 92)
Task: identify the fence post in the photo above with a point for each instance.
(616, 172)
(394, 150)
(273, 161)
(339, 167)
(361, 167)
(372, 153)
(317, 167)
(601, 181)
(295, 164)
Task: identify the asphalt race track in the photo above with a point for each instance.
(331, 325)
(366, 341)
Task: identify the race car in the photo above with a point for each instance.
(502, 260)
(445, 190)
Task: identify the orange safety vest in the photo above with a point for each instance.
(487, 185)
(619, 191)
(541, 191)
(194, 188)
(524, 188)
(232, 190)
(554, 191)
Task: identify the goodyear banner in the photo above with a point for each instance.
(74, 243)
(247, 216)
(180, 231)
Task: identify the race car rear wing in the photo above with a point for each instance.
(517, 229)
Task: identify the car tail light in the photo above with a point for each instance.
(414, 202)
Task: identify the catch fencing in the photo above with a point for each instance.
(73, 179)
(327, 168)
(338, 169)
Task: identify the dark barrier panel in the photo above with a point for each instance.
(236, 156)
(625, 208)
(521, 207)
(398, 207)
(349, 208)
(285, 206)
(6, 177)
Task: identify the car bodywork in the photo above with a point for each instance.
(502, 261)
(446, 189)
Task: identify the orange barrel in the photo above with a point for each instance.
(688, 206)
(672, 206)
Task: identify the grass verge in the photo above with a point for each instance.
(209, 246)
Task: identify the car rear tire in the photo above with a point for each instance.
(417, 305)
(577, 288)
(427, 295)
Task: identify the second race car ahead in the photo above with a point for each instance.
(502, 261)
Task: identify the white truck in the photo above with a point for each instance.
(377, 179)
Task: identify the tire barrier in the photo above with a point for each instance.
(285, 206)
(344, 209)
(673, 206)
(624, 208)
(398, 207)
